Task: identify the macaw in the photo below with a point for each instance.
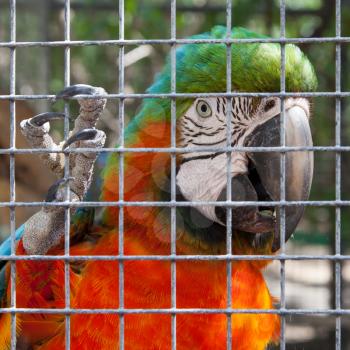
(201, 176)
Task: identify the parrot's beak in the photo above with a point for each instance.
(298, 165)
(263, 180)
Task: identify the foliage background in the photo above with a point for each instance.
(40, 71)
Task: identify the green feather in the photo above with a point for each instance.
(201, 68)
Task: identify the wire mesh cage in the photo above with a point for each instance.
(58, 53)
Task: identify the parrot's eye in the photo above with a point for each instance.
(203, 109)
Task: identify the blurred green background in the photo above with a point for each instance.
(40, 70)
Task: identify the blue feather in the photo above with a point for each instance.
(5, 247)
(5, 250)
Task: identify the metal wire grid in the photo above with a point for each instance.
(228, 175)
(12, 167)
(173, 150)
(66, 173)
(121, 175)
(283, 175)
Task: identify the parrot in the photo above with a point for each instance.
(203, 170)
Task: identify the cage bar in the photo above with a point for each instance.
(184, 150)
(173, 171)
(283, 176)
(121, 176)
(344, 203)
(228, 173)
(12, 168)
(330, 94)
(337, 264)
(67, 19)
(179, 311)
(126, 42)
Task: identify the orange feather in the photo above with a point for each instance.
(200, 284)
(147, 283)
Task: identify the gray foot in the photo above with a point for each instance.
(46, 228)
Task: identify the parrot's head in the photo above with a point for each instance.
(254, 122)
(253, 176)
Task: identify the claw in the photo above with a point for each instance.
(78, 89)
(41, 119)
(51, 193)
(83, 135)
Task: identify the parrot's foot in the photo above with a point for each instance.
(46, 228)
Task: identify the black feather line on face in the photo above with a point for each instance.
(206, 156)
(193, 122)
(201, 133)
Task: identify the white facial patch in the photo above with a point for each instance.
(204, 179)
